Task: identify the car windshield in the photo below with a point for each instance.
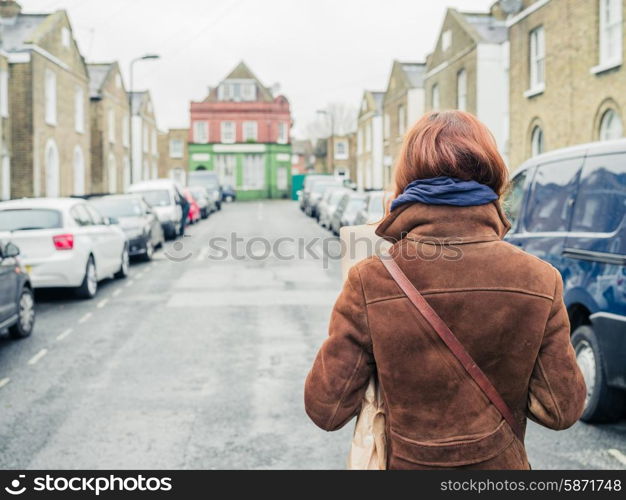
(206, 181)
(157, 198)
(335, 198)
(198, 193)
(354, 205)
(118, 207)
(320, 187)
(25, 219)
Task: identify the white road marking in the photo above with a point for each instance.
(86, 317)
(103, 303)
(117, 292)
(35, 359)
(4, 381)
(130, 283)
(618, 455)
(64, 334)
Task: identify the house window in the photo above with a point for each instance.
(228, 132)
(201, 132)
(387, 125)
(461, 90)
(253, 172)
(4, 93)
(79, 172)
(435, 97)
(283, 133)
(368, 137)
(610, 31)
(65, 37)
(249, 92)
(51, 97)
(537, 58)
(111, 120)
(536, 142)
(250, 130)
(401, 119)
(446, 40)
(146, 139)
(176, 148)
(341, 149)
(610, 126)
(125, 131)
(226, 165)
(79, 110)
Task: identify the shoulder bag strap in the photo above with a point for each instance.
(452, 342)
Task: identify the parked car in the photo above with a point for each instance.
(306, 187)
(194, 209)
(201, 197)
(65, 242)
(17, 303)
(318, 188)
(163, 195)
(229, 194)
(568, 207)
(373, 210)
(138, 221)
(209, 181)
(329, 203)
(345, 213)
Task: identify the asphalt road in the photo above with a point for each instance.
(197, 361)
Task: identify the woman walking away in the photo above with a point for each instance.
(458, 381)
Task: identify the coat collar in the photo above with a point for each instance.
(441, 222)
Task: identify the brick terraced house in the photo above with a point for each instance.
(49, 89)
(110, 142)
(241, 130)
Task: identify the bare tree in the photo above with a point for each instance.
(336, 118)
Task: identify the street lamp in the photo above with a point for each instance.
(331, 147)
(146, 57)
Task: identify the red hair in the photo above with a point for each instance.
(453, 144)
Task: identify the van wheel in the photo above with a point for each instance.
(124, 266)
(603, 403)
(89, 286)
(26, 315)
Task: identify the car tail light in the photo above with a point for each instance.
(63, 241)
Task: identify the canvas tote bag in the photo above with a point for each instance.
(369, 449)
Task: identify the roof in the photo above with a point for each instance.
(302, 147)
(487, 27)
(53, 203)
(378, 100)
(97, 76)
(243, 72)
(415, 73)
(16, 34)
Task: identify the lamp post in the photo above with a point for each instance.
(146, 57)
(331, 147)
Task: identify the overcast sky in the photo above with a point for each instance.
(319, 51)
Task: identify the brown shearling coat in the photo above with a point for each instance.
(504, 305)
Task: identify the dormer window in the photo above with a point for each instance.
(65, 37)
(237, 91)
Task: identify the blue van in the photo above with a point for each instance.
(568, 207)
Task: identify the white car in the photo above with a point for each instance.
(65, 242)
(163, 195)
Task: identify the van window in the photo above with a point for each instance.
(515, 196)
(601, 202)
(553, 187)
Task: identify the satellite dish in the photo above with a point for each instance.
(511, 6)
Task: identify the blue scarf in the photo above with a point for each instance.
(445, 191)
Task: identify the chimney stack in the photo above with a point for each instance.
(9, 9)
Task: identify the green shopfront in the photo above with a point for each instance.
(257, 171)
